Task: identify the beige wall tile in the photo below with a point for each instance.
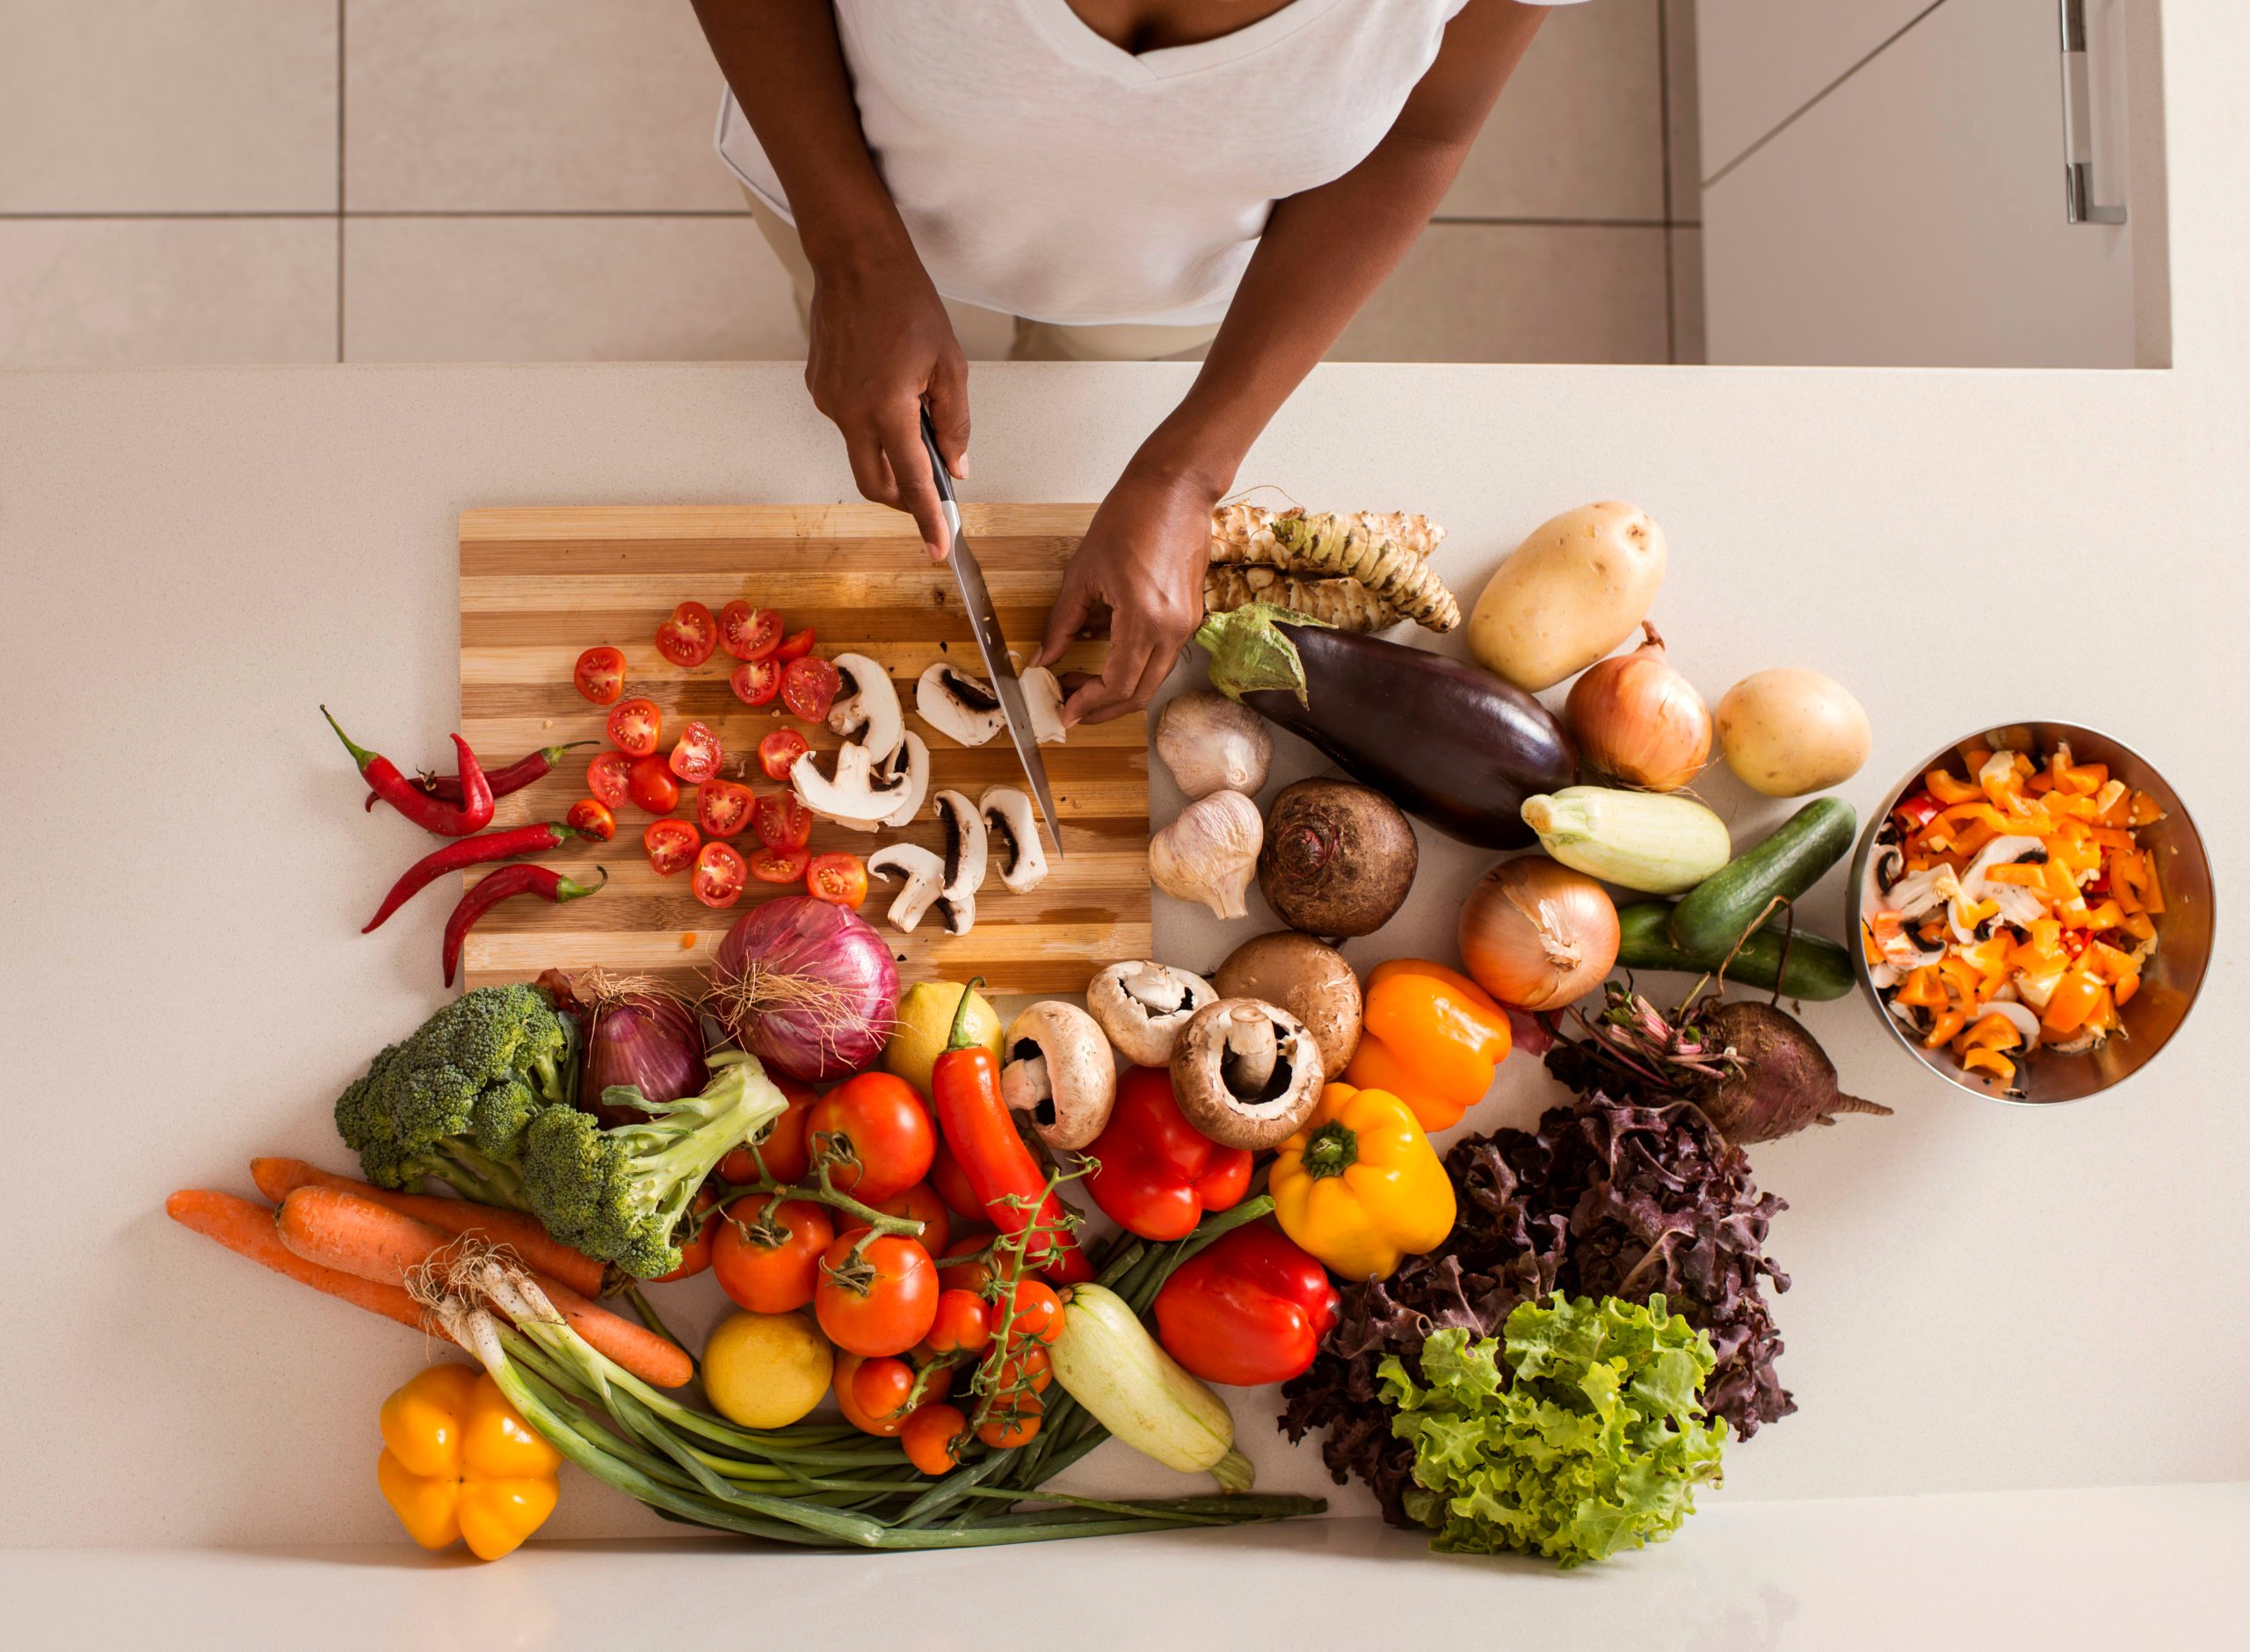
(565, 289)
(166, 106)
(540, 106)
(1518, 293)
(1687, 341)
(147, 291)
(1684, 145)
(1579, 131)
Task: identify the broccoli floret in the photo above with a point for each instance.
(454, 1100)
(617, 1194)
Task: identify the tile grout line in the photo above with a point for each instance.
(1664, 120)
(325, 214)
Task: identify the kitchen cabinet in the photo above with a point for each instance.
(1915, 214)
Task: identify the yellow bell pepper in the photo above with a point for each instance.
(459, 1462)
(1360, 1186)
(1430, 1036)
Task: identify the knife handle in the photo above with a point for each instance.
(938, 472)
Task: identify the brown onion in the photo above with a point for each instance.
(1537, 935)
(1637, 718)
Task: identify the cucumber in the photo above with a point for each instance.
(1713, 915)
(1819, 969)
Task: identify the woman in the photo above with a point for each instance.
(1133, 179)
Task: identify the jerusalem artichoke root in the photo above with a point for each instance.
(1342, 603)
(1386, 553)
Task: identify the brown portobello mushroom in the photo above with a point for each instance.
(1339, 857)
(1451, 743)
(1246, 1074)
(1309, 980)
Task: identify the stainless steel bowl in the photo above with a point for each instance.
(2183, 931)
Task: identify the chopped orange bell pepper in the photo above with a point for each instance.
(1431, 1037)
(1923, 990)
(2071, 1003)
(1949, 789)
(1989, 1060)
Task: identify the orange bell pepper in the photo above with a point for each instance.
(459, 1462)
(1430, 1036)
(2073, 1001)
(1949, 789)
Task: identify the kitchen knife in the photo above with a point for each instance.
(999, 667)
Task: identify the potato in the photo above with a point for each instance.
(1569, 594)
(1789, 731)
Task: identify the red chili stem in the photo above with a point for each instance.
(535, 766)
(471, 851)
(472, 814)
(521, 879)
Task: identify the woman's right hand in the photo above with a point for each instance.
(882, 343)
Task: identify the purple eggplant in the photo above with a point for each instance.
(1444, 740)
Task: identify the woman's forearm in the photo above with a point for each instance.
(786, 66)
(1325, 251)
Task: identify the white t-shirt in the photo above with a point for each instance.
(1045, 173)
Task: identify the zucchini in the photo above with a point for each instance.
(1818, 969)
(1715, 912)
(1655, 842)
(1107, 1361)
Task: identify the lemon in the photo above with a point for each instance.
(766, 1370)
(924, 1027)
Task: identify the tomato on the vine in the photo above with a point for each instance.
(781, 821)
(608, 777)
(719, 875)
(777, 752)
(687, 638)
(882, 1386)
(649, 784)
(920, 1203)
(769, 1260)
(808, 688)
(796, 646)
(672, 845)
(601, 675)
(721, 807)
(932, 1429)
(878, 1131)
(779, 866)
(839, 879)
(747, 633)
(756, 682)
(843, 1381)
(1011, 1422)
(1038, 1312)
(783, 1149)
(695, 753)
(964, 1324)
(593, 818)
(695, 1253)
(634, 727)
(878, 1301)
(1026, 1366)
(977, 1277)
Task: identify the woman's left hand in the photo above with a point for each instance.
(1143, 561)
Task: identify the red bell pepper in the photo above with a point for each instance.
(1251, 1307)
(1158, 1174)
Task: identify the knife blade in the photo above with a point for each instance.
(976, 599)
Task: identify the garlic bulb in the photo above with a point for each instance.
(1209, 853)
(1210, 743)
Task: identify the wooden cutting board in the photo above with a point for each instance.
(538, 586)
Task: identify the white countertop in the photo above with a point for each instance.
(1986, 1299)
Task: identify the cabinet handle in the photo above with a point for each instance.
(2078, 206)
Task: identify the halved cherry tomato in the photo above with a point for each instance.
(721, 807)
(928, 1436)
(719, 873)
(839, 879)
(963, 1324)
(779, 750)
(781, 821)
(779, 866)
(782, 1149)
(747, 633)
(796, 646)
(601, 675)
(808, 688)
(591, 818)
(634, 727)
(609, 777)
(756, 682)
(672, 845)
(695, 754)
(650, 785)
(688, 637)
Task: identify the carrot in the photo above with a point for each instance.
(246, 1227)
(341, 1230)
(278, 1178)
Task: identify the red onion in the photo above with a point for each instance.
(806, 986)
(650, 1040)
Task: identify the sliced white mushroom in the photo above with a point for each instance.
(2018, 905)
(1059, 1070)
(920, 876)
(908, 766)
(1043, 695)
(1015, 834)
(856, 796)
(1142, 1006)
(866, 711)
(965, 853)
(960, 706)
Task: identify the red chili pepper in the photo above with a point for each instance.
(472, 814)
(536, 765)
(471, 851)
(980, 1132)
(1250, 1308)
(1158, 1173)
(521, 879)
